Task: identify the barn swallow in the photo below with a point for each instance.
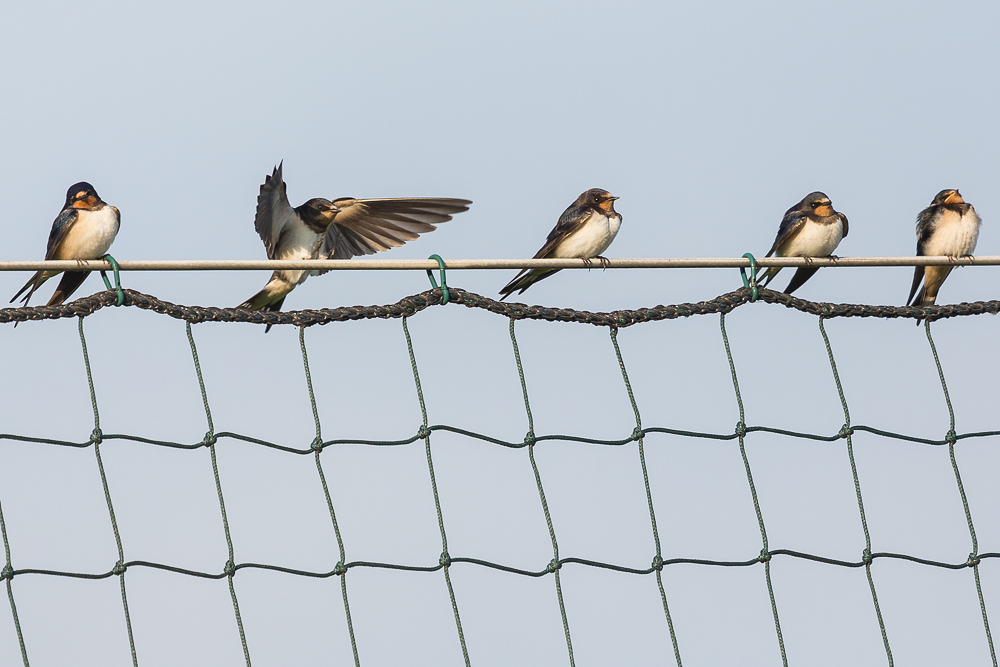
(949, 227)
(584, 231)
(84, 229)
(338, 229)
(811, 228)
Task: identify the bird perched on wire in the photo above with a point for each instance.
(84, 229)
(338, 229)
(583, 231)
(949, 226)
(811, 228)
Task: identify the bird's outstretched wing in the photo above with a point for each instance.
(273, 211)
(367, 226)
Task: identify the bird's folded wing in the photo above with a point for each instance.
(791, 225)
(60, 228)
(273, 211)
(367, 226)
(571, 220)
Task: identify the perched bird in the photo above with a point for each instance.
(84, 229)
(338, 229)
(811, 228)
(949, 227)
(584, 231)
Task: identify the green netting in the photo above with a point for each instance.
(409, 307)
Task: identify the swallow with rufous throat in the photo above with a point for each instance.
(338, 229)
(811, 228)
(949, 226)
(583, 231)
(84, 229)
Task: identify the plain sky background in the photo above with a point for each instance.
(709, 120)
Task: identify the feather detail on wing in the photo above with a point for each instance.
(60, 228)
(790, 226)
(367, 226)
(570, 221)
(273, 211)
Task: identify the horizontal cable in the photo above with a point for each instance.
(410, 305)
(631, 437)
(548, 569)
(503, 264)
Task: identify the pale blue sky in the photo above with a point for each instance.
(708, 119)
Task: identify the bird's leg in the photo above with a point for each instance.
(605, 262)
(587, 262)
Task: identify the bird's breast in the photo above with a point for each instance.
(299, 242)
(591, 239)
(814, 240)
(90, 236)
(954, 234)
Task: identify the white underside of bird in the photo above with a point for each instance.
(814, 240)
(302, 243)
(954, 234)
(90, 236)
(591, 239)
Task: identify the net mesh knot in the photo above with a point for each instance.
(317, 444)
(340, 569)
(658, 562)
(209, 439)
(636, 434)
(529, 438)
(7, 572)
(96, 436)
(741, 429)
(553, 566)
(973, 560)
(230, 568)
(866, 556)
(423, 432)
(951, 438)
(764, 556)
(845, 431)
(119, 568)
(445, 559)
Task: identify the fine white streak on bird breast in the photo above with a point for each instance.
(91, 235)
(591, 239)
(953, 234)
(813, 240)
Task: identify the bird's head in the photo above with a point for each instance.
(81, 195)
(816, 203)
(318, 213)
(601, 199)
(949, 196)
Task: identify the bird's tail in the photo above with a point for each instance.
(525, 279)
(801, 275)
(768, 275)
(269, 299)
(933, 277)
(71, 280)
(34, 283)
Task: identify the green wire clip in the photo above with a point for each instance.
(444, 284)
(118, 281)
(750, 282)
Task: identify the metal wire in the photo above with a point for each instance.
(485, 264)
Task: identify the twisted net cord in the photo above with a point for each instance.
(412, 305)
